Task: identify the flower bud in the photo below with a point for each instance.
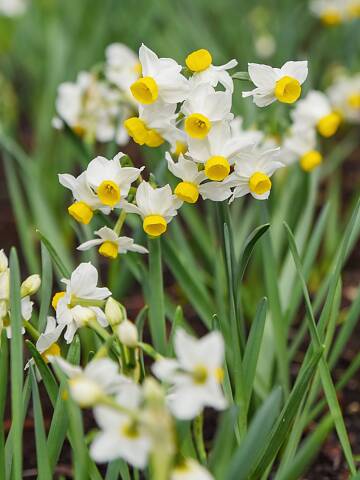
(85, 392)
(82, 315)
(153, 391)
(114, 312)
(127, 333)
(3, 261)
(31, 285)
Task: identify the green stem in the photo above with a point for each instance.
(149, 350)
(31, 330)
(198, 437)
(120, 222)
(156, 296)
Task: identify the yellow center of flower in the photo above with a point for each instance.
(154, 139)
(217, 168)
(328, 125)
(145, 90)
(56, 299)
(259, 183)
(310, 160)
(6, 321)
(353, 100)
(331, 17)
(142, 135)
(78, 130)
(109, 250)
(197, 125)
(287, 89)
(354, 10)
(108, 193)
(53, 350)
(154, 225)
(81, 212)
(200, 374)
(180, 147)
(199, 60)
(219, 374)
(130, 430)
(187, 191)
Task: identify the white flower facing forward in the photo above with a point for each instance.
(81, 301)
(154, 125)
(190, 469)
(282, 84)
(252, 172)
(200, 64)
(86, 202)
(156, 206)
(301, 145)
(110, 181)
(218, 151)
(195, 375)
(122, 66)
(46, 343)
(121, 434)
(204, 108)
(344, 95)
(192, 185)
(110, 244)
(161, 79)
(315, 111)
(90, 385)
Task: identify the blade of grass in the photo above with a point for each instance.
(4, 372)
(46, 374)
(46, 286)
(61, 267)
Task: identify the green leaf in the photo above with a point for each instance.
(42, 458)
(63, 270)
(116, 468)
(46, 374)
(46, 287)
(241, 76)
(224, 442)
(248, 248)
(4, 373)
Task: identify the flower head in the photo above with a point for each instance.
(344, 96)
(122, 66)
(301, 145)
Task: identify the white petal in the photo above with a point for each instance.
(262, 76)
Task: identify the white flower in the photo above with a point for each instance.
(283, 84)
(86, 202)
(79, 304)
(204, 108)
(12, 8)
(111, 244)
(195, 375)
(154, 125)
(204, 72)
(110, 181)
(344, 95)
(251, 134)
(192, 185)
(330, 12)
(218, 151)
(301, 145)
(161, 79)
(157, 207)
(121, 435)
(252, 172)
(46, 343)
(4, 263)
(122, 66)
(190, 469)
(99, 378)
(315, 111)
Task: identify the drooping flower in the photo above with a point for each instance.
(110, 244)
(161, 79)
(282, 84)
(195, 375)
(203, 109)
(156, 206)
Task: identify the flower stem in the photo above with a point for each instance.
(198, 437)
(120, 222)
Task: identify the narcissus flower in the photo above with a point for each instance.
(122, 434)
(81, 301)
(300, 146)
(196, 374)
(204, 72)
(161, 79)
(282, 84)
(330, 12)
(12, 8)
(344, 95)
(252, 172)
(192, 185)
(190, 469)
(217, 152)
(110, 181)
(110, 244)
(315, 111)
(122, 66)
(156, 206)
(203, 109)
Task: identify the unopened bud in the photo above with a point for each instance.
(127, 333)
(85, 392)
(114, 312)
(3, 261)
(31, 285)
(153, 391)
(82, 315)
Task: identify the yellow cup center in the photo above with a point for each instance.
(108, 193)
(81, 212)
(180, 147)
(109, 250)
(217, 168)
(145, 90)
(53, 350)
(219, 374)
(310, 160)
(79, 130)
(259, 183)
(197, 125)
(331, 17)
(154, 139)
(187, 191)
(136, 129)
(200, 374)
(56, 299)
(154, 225)
(199, 60)
(328, 125)
(130, 430)
(353, 100)
(287, 89)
